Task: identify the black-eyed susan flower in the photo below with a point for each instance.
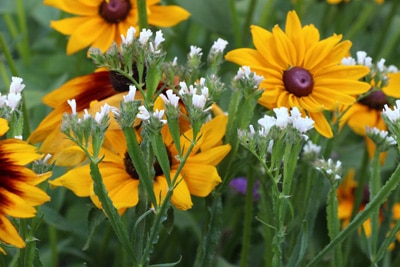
(99, 23)
(18, 186)
(198, 176)
(346, 197)
(384, 88)
(90, 92)
(301, 70)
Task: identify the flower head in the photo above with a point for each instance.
(99, 23)
(300, 70)
(198, 176)
(18, 186)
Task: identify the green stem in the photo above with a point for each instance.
(372, 206)
(111, 212)
(248, 218)
(374, 187)
(235, 23)
(24, 30)
(142, 11)
(334, 223)
(53, 245)
(137, 157)
(7, 54)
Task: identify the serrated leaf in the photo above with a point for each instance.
(95, 218)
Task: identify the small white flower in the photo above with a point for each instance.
(144, 36)
(98, 117)
(13, 100)
(381, 65)
(16, 85)
(311, 148)
(175, 61)
(129, 36)
(392, 69)
(303, 124)
(143, 113)
(282, 117)
(244, 72)
(267, 122)
(72, 104)
(131, 94)
(19, 137)
(199, 101)
(158, 39)
(3, 100)
(219, 45)
(392, 114)
(195, 51)
(171, 98)
(159, 114)
(363, 59)
(184, 89)
(86, 114)
(348, 61)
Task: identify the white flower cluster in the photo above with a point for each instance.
(378, 70)
(98, 117)
(13, 98)
(244, 73)
(199, 94)
(144, 38)
(311, 149)
(284, 119)
(392, 114)
(145, 115)
(329, 168)
(380, 136)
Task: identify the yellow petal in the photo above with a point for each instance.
(166, 16)
(321, 124)
(78, 180)
(201, 179)
(75, 7)
(86, 34)
(9, 234)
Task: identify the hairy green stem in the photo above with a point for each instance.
(142, 11)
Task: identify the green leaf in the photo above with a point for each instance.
(169, 222)
(95, 218)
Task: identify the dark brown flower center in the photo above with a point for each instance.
(121, 83)
(298, 81)
(375, 100)
(115, 10)
(130, 169)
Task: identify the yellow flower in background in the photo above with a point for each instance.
(99, 23)
(346, 197)
(90, 92)
(341, 1)
(367, 112)
(300, 70)
(18, 186)
(198, 177)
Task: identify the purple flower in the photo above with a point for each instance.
(239, 185)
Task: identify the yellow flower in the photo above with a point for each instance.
(346, 196)
(340, 1)
(367, 112)
(100, 23)
(198, 177)
(18, 186)
(300, 70)
(90, 92)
